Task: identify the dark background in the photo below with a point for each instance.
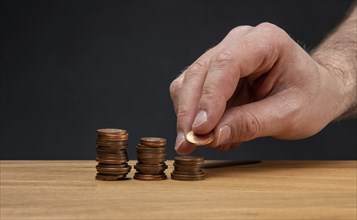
(70, 67)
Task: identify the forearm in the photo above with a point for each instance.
(338, 54)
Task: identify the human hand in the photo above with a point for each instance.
(256, 82)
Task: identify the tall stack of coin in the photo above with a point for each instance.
(188, 168)
(151, 155)
(111, 154)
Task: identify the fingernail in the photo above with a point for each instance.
(179, 140)
(201, 118)
(224, 135)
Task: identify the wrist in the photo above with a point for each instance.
(340, 85)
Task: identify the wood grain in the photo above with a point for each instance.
(267, 190)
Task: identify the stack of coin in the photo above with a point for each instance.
(188, 168)
(111, 154)
(151, 155)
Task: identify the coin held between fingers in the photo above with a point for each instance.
(199, 140)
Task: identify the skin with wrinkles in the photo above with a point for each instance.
(259, 82)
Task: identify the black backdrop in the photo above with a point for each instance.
(70, 67)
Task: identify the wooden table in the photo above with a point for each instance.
(266, 190)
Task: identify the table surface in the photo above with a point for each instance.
(266, 190)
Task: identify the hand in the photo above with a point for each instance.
(256, 82)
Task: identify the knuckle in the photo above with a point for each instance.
(272, 32)
(182, 111)
(175, 87)
(222, 58)
(195, 70)
(239, 29)
(267, 26)
(197, 66)
(249, 127)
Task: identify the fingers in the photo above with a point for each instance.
(266, 117)
(186, 96)
(201, 93)
(251, 55)
(186, 92)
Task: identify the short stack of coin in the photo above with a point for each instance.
(151, 155)
(188, 168)
(111, 154)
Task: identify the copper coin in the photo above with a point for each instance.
(187, 169)
(103, 169)
(121, 144)
(114, 165)
(189, 160)
(121, 138)
(113, 156)
(109, 151)
(111, 131)
(194, 173)
(151, 149)
(112, 161)
(151, 160)
(199, 140)
(150, 169)
(148, 177)
(152, 155)
(153, 141)
(112, 135)
(175, 176)
(107, 177)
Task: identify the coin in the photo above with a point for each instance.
(151, 155)
(188, 168)
(112, 161)
(199, 140)
(150, 169)
(153, 141)
(185, 177)
(111, 131)
(140, 176)
(110, 169)
(111, 152)
(107, 177)
(188, 160)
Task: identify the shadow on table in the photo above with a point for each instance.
(228, 163)
(221, 167)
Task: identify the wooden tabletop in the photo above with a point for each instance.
(266, 190)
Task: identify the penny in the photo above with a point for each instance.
(149, 177)
(120, 144)
(111, 131)
(199, 140)
(107, 177)
(195, 173)
(151, 160)
(151, 155)
(186, 178)
(150, 169)
(111, 152)
(153, 141)
(188, 168)
(150, 150)
(188, 160)
(113, 170)
(111, 161)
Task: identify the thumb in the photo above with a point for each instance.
(272, 116)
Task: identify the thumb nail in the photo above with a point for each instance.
(179, 140)
(200, 119)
